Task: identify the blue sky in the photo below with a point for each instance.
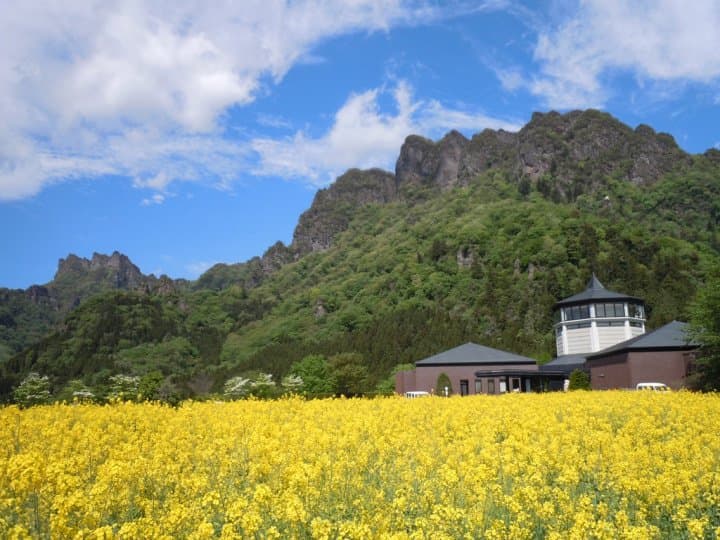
(184, 133)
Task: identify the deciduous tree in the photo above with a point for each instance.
(33, 390)
(705, 329)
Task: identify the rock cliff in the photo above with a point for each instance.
(333, 207)
(561, 155)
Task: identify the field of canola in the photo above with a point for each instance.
(577, 465)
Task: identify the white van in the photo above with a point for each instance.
(653, 386)
(417, 394)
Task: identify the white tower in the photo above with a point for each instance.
(595, 319)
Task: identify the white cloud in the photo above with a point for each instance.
(273, 121)
(363, 136)
(510, 79)
(655, 40)
(157, 198)
(122, 87)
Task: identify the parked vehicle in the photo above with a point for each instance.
(417, 394)
(653, 386)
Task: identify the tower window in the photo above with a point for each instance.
(576, 312)
(637, 311)
(609, 310)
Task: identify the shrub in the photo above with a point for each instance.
(443, 383)
(579, 380)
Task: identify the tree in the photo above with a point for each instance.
(316, 375)
(262, 385)
(387, 386)
(291, 384)
(350, 373)
(256, 384)
(123, 387)
(443, 382)
(33, 390)
(438, 249)
(149, 386)
(236, 387)
(76, 390)
(579, 380)
(705, 330)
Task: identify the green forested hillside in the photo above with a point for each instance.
(483, 263)
(405, 274)
(27, 315)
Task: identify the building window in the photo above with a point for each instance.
(636, 324)
(576, 312)
(478, 386)
(609, 310)
(636, 311)
(491, 386)
(464, 387)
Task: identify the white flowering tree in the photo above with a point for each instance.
(256, 384)
(33, 390)
(77, 390)
(291, 384)
(236, 387)
(124, 387)
(264, 386)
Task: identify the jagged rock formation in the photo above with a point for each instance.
(33, 311)
(573, 147)
(562, 155)
(333, 207)
(115, 270)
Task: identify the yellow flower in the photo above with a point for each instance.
(591, 465)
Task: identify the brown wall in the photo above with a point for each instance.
(425, 377)
(610, 372)
(626, 370)
(669, 367)
(404, 382)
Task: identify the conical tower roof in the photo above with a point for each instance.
(595, 292)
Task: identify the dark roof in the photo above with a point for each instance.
(566, 363)
(519, 372)
(672, 336)
(470, 353)
(594, 292)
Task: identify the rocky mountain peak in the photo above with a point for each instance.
(115, 261)
(115, 270)
(333, 207)
(562, 155)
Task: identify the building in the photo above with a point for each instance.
(597, 330)
(665, 355)
(476, 369)
(595, 319)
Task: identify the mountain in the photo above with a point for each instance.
(27, 315)
(469, 239)
(560, 155)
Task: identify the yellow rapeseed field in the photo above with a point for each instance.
(577, 465)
